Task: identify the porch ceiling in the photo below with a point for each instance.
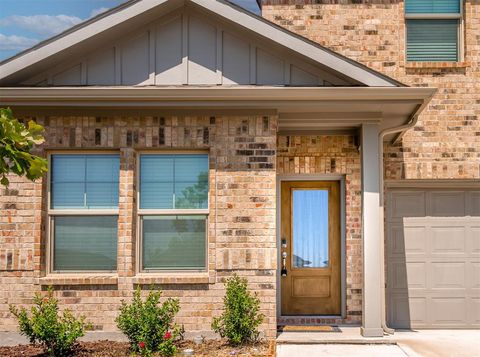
(298, 108)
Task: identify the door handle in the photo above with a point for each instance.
(283, 272)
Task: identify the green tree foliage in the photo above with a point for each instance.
(240, 319)
(56, 334)
(16, 143)
(150, 325)
(195, 196)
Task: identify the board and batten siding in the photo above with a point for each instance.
(188, 48)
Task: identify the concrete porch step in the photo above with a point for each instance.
(348, 335)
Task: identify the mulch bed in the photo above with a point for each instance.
(211, 348)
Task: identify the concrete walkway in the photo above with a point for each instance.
(439, 343)
(342, 350)
(349, 342)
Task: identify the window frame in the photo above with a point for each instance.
(438, 16)
(140, 213)
(52, 213)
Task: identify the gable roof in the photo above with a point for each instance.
(133, 13)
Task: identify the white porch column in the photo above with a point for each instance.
(372, 289)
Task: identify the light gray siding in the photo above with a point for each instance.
(236, 60)
(270, 68)
(186, 47)
(202, 52)
(169, 56)
(135, 58)
(301, 77)
(99, 68)
(70, 76)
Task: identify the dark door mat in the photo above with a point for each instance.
(306, 328)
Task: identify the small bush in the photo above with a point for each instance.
(149, 325)
(56, 334)
(241, 318)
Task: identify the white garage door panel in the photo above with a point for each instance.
(474, 240)
(447, 311)
(447, 275)
(433, 258)
(474, 311)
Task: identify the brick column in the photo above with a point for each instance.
(126, 214)
(245, 160)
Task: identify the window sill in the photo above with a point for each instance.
(437, 65)
(79, 279)
(172, 278)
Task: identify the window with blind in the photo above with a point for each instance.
(433, 30)
(83, 212)
(173, 211)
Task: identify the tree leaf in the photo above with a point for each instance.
(16, 142)
(4, 181)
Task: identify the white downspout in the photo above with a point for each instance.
(398, 129)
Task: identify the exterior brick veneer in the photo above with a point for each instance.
(445, 144)
(241, 227)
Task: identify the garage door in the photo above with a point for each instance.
(433, 258)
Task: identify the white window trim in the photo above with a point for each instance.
(167, 212)
(440, 16)
(51, 213)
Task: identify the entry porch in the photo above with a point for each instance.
(324, 134)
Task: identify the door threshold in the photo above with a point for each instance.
(311, 316)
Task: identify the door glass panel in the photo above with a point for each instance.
(310, 228)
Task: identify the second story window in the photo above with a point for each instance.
(433, 30)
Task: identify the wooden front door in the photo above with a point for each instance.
(310, 247)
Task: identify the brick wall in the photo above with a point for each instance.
(445, 143)
(241, 227)
(333, 155)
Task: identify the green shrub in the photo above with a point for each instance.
(57, 334)
(149, 325)
(240, 320)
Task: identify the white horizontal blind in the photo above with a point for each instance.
(174, 242)
(85, 243)
(174, 181)
(84, 181)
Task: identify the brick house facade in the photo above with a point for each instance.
(373, 33)
(311, 136)
(236, 219)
